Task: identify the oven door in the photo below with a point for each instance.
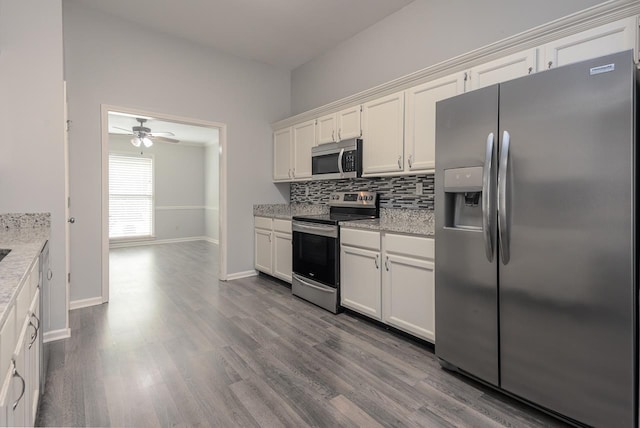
(316, 252)
(326, 166)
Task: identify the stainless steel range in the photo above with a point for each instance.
(316, 247)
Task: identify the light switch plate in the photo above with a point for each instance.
(419, 188)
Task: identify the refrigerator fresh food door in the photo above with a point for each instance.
(566, 201)
(465, 241)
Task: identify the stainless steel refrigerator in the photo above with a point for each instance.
(536, 263)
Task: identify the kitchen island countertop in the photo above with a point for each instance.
(25, 235)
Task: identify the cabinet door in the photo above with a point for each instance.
(19, 382)
(282, 255)
(383, 135)
(262, 254)
(304, 138)
(503, 69)
(282, 155)
(408, 289)
(326, 129)
(360, 287)
(420, 120)
(34, 332)
(6, 397)
(606, 39)
(349, 125)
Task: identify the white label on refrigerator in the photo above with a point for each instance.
(602, 69)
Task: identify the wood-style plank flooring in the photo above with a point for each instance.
(176, 347)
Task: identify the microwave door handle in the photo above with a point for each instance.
(340, 162)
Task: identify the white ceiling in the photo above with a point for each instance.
(189, 134)
(283, 33)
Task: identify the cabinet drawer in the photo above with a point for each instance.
(8, 338)
(415, 246)
(34, 278)
(283, 226)
(24, 299)
(360, 238)
(263, 222)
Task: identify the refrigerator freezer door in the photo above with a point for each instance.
(466, 292)
(567, 321)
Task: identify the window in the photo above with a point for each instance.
(130, 196)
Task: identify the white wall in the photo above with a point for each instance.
(212, 191)
(421, 34)
(32, 124)
(114, 62)
(179, 173)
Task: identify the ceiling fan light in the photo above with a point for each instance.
(147, 142)
(136, 141)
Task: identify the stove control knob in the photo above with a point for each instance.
(360, 197)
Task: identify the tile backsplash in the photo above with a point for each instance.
(394, 192)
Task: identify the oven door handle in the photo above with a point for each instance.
(321, 230)
(340, 162)
(308, 284)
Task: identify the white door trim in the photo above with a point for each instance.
(222, 222)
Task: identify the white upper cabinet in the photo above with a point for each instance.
(292, 151)
(383, 135)
(609, 38)
(326, 129)
(420, 120)
(304, 138)
(339, 126)
(503, 69)
(349, 125)
(282, 154)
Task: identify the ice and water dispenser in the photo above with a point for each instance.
(463, 197)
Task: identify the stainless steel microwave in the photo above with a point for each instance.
(337, 160)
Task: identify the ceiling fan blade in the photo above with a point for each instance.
(128, 131)
(161, 134)
(165, 139)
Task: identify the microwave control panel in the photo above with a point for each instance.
(349, 161)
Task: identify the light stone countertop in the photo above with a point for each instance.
(287, 211)
(400, 220)
(25, 235)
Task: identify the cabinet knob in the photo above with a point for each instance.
(339, 137)
(400, 162)
(386, 263)
(550, 64)
(410, 162)
(376, 262)
(333, 135)
(72, 220)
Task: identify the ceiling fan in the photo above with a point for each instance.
(143, 135)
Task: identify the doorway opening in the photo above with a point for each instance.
(163, 181)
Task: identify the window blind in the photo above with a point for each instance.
(130, 196)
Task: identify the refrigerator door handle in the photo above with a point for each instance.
(503, 228)
(487, 206)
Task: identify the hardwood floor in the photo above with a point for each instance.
(176, 347)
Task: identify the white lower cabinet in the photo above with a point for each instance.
(360, 281)
(263, 240)
(282, 250)
(390, 278)
(272, 252)
(20, 354)
(408, 284)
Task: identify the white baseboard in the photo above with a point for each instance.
(155, 242)
(84, 303)
(51, 336)
(239, 275)
(213, 241)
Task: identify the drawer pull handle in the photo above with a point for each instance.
(16, 374)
